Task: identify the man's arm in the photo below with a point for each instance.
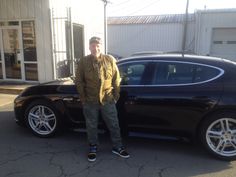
(79, 80)
(115, 80)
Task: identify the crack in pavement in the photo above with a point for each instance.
(162, 170)
(59, 166)
(14, 173)
(140, 170)
(18, 158)
(139, 167)
(91, 165)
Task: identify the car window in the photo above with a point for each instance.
(183, 73)
(174, 73)
(132, 73)
(204, 73)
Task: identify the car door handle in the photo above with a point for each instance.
(131, 100)
(134, 98)
(200, 98)
(68, 99)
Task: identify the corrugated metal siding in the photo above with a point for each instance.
(176, 18)
(127, 39)
(17, 9)
(206, 21)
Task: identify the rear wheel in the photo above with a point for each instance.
(218, 135)
(42, 118)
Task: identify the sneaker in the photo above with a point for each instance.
(121, 152)
(92, 153)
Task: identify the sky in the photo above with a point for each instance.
(157, 7)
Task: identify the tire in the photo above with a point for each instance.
(218, 135)
(42, 118)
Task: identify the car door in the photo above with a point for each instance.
(135, 76)
(71, 101)
(180, 94)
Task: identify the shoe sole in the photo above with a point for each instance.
(92, 160)
(120, 155)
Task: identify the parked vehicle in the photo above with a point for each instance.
(190, 96)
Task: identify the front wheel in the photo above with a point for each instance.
(42, 118)
(218, 135)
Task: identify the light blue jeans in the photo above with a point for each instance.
(109, 115)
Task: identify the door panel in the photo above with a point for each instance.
(171, 104)
(12, 55)
(70, 98)
(135, 76)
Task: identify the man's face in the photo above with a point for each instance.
(95, 49)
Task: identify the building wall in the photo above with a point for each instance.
(125, 39)
(37, 10)
(94, 20)
(89, 13)
(206, 21)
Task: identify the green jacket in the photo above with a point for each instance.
(98, 80)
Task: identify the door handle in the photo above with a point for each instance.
(67, 99)
(200, 97)
(131, 100)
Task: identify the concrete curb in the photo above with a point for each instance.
(13, 89)
(10, 91)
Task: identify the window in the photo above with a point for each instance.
(29, 40)
(78, 33)
(31, 72)
(29, 49)
(204, 73)
(218, 42)
(231, 42)
(9, 23)
(174, 73)
(183, 73)
(132, 74)
(1, 74)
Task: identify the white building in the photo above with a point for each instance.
(40, 39)
(209, 32)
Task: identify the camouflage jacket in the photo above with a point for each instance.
(98, 80)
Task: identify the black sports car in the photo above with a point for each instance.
(184, 95)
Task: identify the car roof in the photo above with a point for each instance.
(174, 57)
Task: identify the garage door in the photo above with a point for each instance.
(224, 43)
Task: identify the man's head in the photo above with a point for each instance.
(95, 45)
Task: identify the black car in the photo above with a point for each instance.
(184, 95)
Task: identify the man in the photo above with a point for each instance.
(98, 84)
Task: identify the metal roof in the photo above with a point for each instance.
(148, 19)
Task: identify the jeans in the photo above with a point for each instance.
(109, 115)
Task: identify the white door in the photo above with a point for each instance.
(224, 43)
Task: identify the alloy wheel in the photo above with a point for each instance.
(42, 120)
(221, 137)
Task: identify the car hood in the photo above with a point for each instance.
(61, 81)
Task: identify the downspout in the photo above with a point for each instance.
(51, 11)
(105, 25)
(185, 29)
(72, 57)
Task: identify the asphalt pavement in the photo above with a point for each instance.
(6, 99)
(24, 155)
